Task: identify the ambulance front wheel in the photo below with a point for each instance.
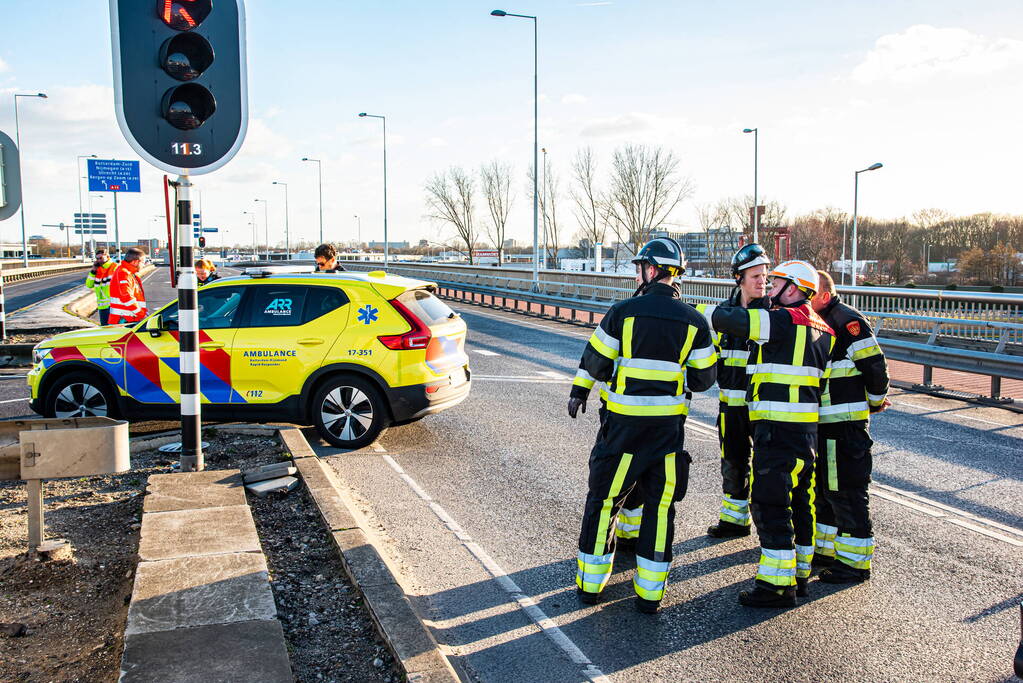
(80, 394)
(349, 412)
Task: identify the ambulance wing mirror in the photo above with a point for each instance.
(155, 326)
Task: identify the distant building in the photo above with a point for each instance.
(391, 245)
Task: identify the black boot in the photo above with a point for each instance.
(843, 573)
(587, 598)
(801, 587)
(725, 529)
(647, 606)
(821, 561)
(763, 597)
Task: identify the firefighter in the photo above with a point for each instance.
(127, 298)
(857, 388)
(650, 351)
(749, 269)
(326, 259)
(786, 371)
(98, 280)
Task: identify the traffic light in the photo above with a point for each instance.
(202, 242)
(180, 80)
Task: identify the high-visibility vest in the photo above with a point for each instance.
(127, 298)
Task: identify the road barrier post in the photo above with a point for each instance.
(188, 334)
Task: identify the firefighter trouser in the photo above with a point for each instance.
(633, 453)
(844, 464)
(782, 501)
(736, 440)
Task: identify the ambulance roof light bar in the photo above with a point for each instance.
(266, 271)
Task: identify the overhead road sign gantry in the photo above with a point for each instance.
(180, 81)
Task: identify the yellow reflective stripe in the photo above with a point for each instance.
(754, 324)
(791, 380)
(605, 510)
(687, 345)
(645, 373)
(736, 362)
(649, 411)
(797, 360)
(867, 352)
(781, 416)
(626, 352)
(602, 348)
(666, 498)
(832, 466)
(795, 473)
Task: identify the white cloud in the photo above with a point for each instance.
(436, 142)
(4, 66)
(573, 98)
(923, 51)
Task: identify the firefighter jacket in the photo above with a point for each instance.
(651, 351)
(98, 280)
(127, 299)
(733, 355)
(859, 371)
(789, 364)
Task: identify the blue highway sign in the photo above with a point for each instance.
(114, 175)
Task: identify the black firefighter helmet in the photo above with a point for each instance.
(666, 254)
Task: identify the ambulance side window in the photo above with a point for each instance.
(218, 309)
(275, 306)
(321, 301)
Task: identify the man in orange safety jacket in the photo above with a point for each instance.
(127, 298)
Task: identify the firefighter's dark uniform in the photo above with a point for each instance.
(786, 370)
(858, 385)
(650, 351)
(735, 434)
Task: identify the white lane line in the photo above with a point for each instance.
(13, 376)
(14, 400)
(515, 594)
(484, 352)
(522, 378)
(986, 532)
(965, 417)
(906, 503)
(552, 375)
(954, 511)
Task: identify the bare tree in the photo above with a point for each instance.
(550, 191)
(737, 209)
(644, 189)
(496, 181)
(711, 220)
(450, 199)
(590, 206)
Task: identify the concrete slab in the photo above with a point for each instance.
(296, 443)
(207, 531)
(192, 490)
(333, 512)
(280, 485)
(406, 635)
(277, 469)
(243, 652)
(362, 561)
(314, 473)
(198, 591)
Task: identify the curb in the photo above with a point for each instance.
(405, 634)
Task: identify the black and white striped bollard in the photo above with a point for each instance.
(3, 316)
(188, 335)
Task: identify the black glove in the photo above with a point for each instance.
(574, 404)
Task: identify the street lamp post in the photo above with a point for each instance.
(78, 176)
(856, 198)
(358, 222)
(17, 140)
(756, 208)
(384, 120)
(287, 233)
(252, 222)
(319, 175)
(536, 143)
(266, 226)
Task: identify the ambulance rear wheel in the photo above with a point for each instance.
(80, 394)
(349, 412)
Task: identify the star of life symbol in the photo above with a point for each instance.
(367, 314)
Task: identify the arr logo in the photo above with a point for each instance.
(278, 307)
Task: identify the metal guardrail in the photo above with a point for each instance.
(977, 345)
(893, 301)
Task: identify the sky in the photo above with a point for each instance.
(932, 89)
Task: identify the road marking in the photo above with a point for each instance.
(553, 375)
(529, 379)
(986, 532)
(13, 376)
(15, 400)
(965, 417)
(954, 511)
(515, 594)
(484, 352)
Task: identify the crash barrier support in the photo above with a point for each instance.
(985, 346)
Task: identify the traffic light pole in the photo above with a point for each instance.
(188, 334)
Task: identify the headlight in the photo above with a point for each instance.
(39, 354)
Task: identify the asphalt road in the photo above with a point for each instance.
(480, 506)
(27, 292)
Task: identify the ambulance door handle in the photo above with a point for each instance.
(211, 345)
(310, 341)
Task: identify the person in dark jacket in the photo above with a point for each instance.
(735, 436)
(787, 371)
(857, 388)
(326, 259)
(650, 351)
(205, 271)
